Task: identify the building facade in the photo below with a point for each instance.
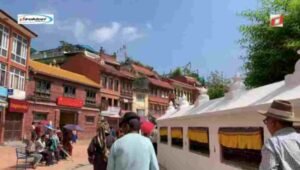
(61, 97)
(150, 91)
(184, 86)
(126, 98)
(158, 96)
(14, 56)
(116, 96)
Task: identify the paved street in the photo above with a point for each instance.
(8, 159)
(80, 162)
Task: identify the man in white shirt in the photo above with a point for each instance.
(132, 151)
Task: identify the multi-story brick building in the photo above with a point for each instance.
(140, 85)
(116, 96)
(150, 91)
(159, 96)
(126, 98)
(184, 86)
(61, 97)
(14, 56)
(127, 86)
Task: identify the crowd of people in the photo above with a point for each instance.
(131, 149)
(49, 145)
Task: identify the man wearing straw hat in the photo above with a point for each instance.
(282, 150)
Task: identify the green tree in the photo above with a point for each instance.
(66, 46)
(217, 85)
(188, 72)
(177, 72)
(271, 52)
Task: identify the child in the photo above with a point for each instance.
(74, 136)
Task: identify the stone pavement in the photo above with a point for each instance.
(8, 158)
(79, 162)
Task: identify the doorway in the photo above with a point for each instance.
(67, 117)
(13, 126)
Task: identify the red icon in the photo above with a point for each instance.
(276, 20)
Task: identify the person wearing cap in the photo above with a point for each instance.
(133, 151)
(282, 150)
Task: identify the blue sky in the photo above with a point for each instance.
(161, 33)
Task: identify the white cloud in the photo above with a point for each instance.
(79, 29)
(82, 31)
(105, 33)
(131, 33)
(75, 28)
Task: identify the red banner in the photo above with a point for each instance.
(18, 106)
(70, 102)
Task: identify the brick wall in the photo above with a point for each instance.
(50, 111)
(57, 88)
(82, 65)
(53, 112)
(89, 129)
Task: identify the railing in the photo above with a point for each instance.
(90, 102)
(40, 96)
(51, 54)
(141, 84)
(126, 93)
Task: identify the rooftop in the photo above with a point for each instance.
(109, 59)
(182, 84)
(143, 70)
(10, 20)
(61, 73)
(127, 74)
(160, 83)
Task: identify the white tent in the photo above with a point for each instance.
(239, 97)
(238, 108)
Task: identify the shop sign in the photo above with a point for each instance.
(16, 94)
(3, 91)
(18, 106)
(70, 102)
(10, 92)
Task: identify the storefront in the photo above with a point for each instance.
(112, 116)
(13, 127)
(70, 112)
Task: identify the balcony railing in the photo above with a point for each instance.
(40, 96)
(90, 102)
(126, 93)
(141, 84)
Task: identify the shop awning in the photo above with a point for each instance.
(113, 112)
